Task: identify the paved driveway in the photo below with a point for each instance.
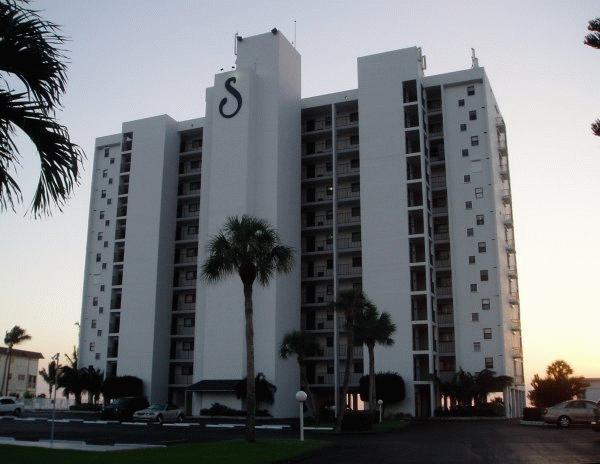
(466, 442)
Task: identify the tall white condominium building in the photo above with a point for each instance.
(400, 187)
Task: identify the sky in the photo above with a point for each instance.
(134, 59)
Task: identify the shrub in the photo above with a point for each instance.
(118, 387)
(389, 387)
(532, 414)
(218, 409)
(357, 421)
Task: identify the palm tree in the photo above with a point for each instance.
(49, 376)
(350, 303)
(13, 337)
(29, 47)
(301, 344)
(72, 379)
(486, 382)
(593, 40)
(373, 328)
(92, 382)
(251, 248)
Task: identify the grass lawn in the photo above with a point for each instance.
(226, 452)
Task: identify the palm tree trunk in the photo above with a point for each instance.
(349, 362)
(250, 381)
(313, 399)
(5, 373)
(372, 392)
(7, 369)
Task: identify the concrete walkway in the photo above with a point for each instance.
(75, 445)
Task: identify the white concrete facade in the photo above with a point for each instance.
(368, 185)
(22, 373)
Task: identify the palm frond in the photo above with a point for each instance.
(596, 127)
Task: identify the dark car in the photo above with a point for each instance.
(122, 409)
(596, 420)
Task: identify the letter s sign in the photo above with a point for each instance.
(238, 97)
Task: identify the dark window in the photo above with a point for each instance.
(102, 287)
(357, 261)
(108, 201)
(478, 192)
(471, 259)
(487, 334)
(482, 247)
(98, 257)
(465, 152)
(476, 346)
(103, 194)
(112, 161)
(470, 232)
(480, 219)
(107, 223)
(471, 90)
(101, 214)
(489, 363)
(463, 127)
(106, 152)
(95, 302)
(461, 102)
(468, 205)
(474, 140)
(485, 303)
(473, 287)
(475, 317)
(103, 265)
(483, 275)
(467, 178)
(472, 115)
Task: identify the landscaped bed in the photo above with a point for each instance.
(226, 452)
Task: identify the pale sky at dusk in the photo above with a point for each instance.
(132, 59)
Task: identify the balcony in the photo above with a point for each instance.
(443, 291)
(327, 351)
(445, 318)
(314, 125)
(506, 198)
(119, 256)
(347, 270)
(343, 169)
(122, 211)
(441, 236)
(347, 193)
(320, 196)
(320, 298)
(320, 220)
(346, 120)
(442, 263)
(320, 246)
(190, 146)
(502, 148)
(348, 244)
(445, 347)
(123, 189)
(182, 355)
(510, 245)
(182, 282)
(512, 270)
(320, 172)
(180, 380)
(436, 130)
(327, 324)
(181, 306)
(518, 380)
(500, 126)
(513, 298)
(186, 213)
(439, 210)
(120, 233)
(347, 218)
(319, 272)
(438, 182)
(434, 105)
(517, 352)
(327, 379)
(508, 220)
(515, 325)
(183, 258)
(347, 144)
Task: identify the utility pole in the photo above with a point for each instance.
(55, 358)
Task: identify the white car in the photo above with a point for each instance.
(159, 413)
(10, 405)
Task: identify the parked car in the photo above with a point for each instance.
(571, 412)
(10, 405)
(122, 409)
(160, 413)
(596, 419)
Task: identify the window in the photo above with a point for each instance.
(487, 334)
(465, 152)
(471, 259)
(103, 194)
(105, 173)
(193, 207)
(187, 346)
(463, 127)
(357, 261)
(102, 287)
(105, 244)
(485, 304)
(103, 265)
(473, 288)
(101, 214)
(187, 370)
(101, 310)
(467, 178)
(476, 346)
(483, 275)
(106, 152)
(472, 115)
(489, 363)
(189, 298)
(355, 211)
(475, 317)
(191, 252)
(480, 219)
(481, 247)
(97, 355)
(470, 90)
(474, 140)
(190, 275)
(99, 235)
(195, 164)
(478, 192)
(194, 185)
(355, 186)
(188, 322)
(112, 161)
(468, 205)
(108, 201)
(461, 102)
(107, 223)
(92, 346)
(110, 181)
(354, 140)
(470, 232)
(98, 257)
(93, 323)
(192, 230)
(356, 236)
(99, 333)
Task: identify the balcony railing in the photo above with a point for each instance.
(442, 263)
(515, 325)
(319, 298)
(183, 282)
(443, 291)
(327, 324)
(445, 347)
(321, 245)
(438, 182)
(183, 258)
(327, 379)
(125, 167)
(434, 105)
(182, 330)
(508, 220)
(122, 211)
(346, 120)
(347, 270)
(347, 244)
(120, 233)
(320, 196)
(183, 214)
(510, 245)
(348, 218)
(320, 172)
(184, 307)
(500, 124)
(439, 209)
(181, 379)
(313, 125)
(317, 272)
(422, 375)
(347, 144)
(512, 270)
(123, 189)
(347, 192)
(347, 168)
(182, 354)
(517, 352)
(441, 236)
(445, 318)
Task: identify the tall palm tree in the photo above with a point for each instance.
(49, 376)
(252, 249)
(32, 59)
(350, 303)
(371, 328)
(593, 40)
(14, 336)
(301, 344)
(92, 382)
(72, 379)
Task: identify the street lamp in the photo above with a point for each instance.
(380, 403)
(301, 398)
(55, 358)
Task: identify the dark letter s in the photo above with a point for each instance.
(233, 91)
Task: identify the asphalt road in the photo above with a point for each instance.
(467, 442)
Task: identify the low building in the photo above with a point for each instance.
(593, 391)
(23, 371)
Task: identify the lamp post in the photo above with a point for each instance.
(380, 404)
(55, 359)
(301, 398)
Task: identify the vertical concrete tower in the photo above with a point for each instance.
(251, 165)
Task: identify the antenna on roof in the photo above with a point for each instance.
(474, 60)
(235, 41)
(294, 43)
